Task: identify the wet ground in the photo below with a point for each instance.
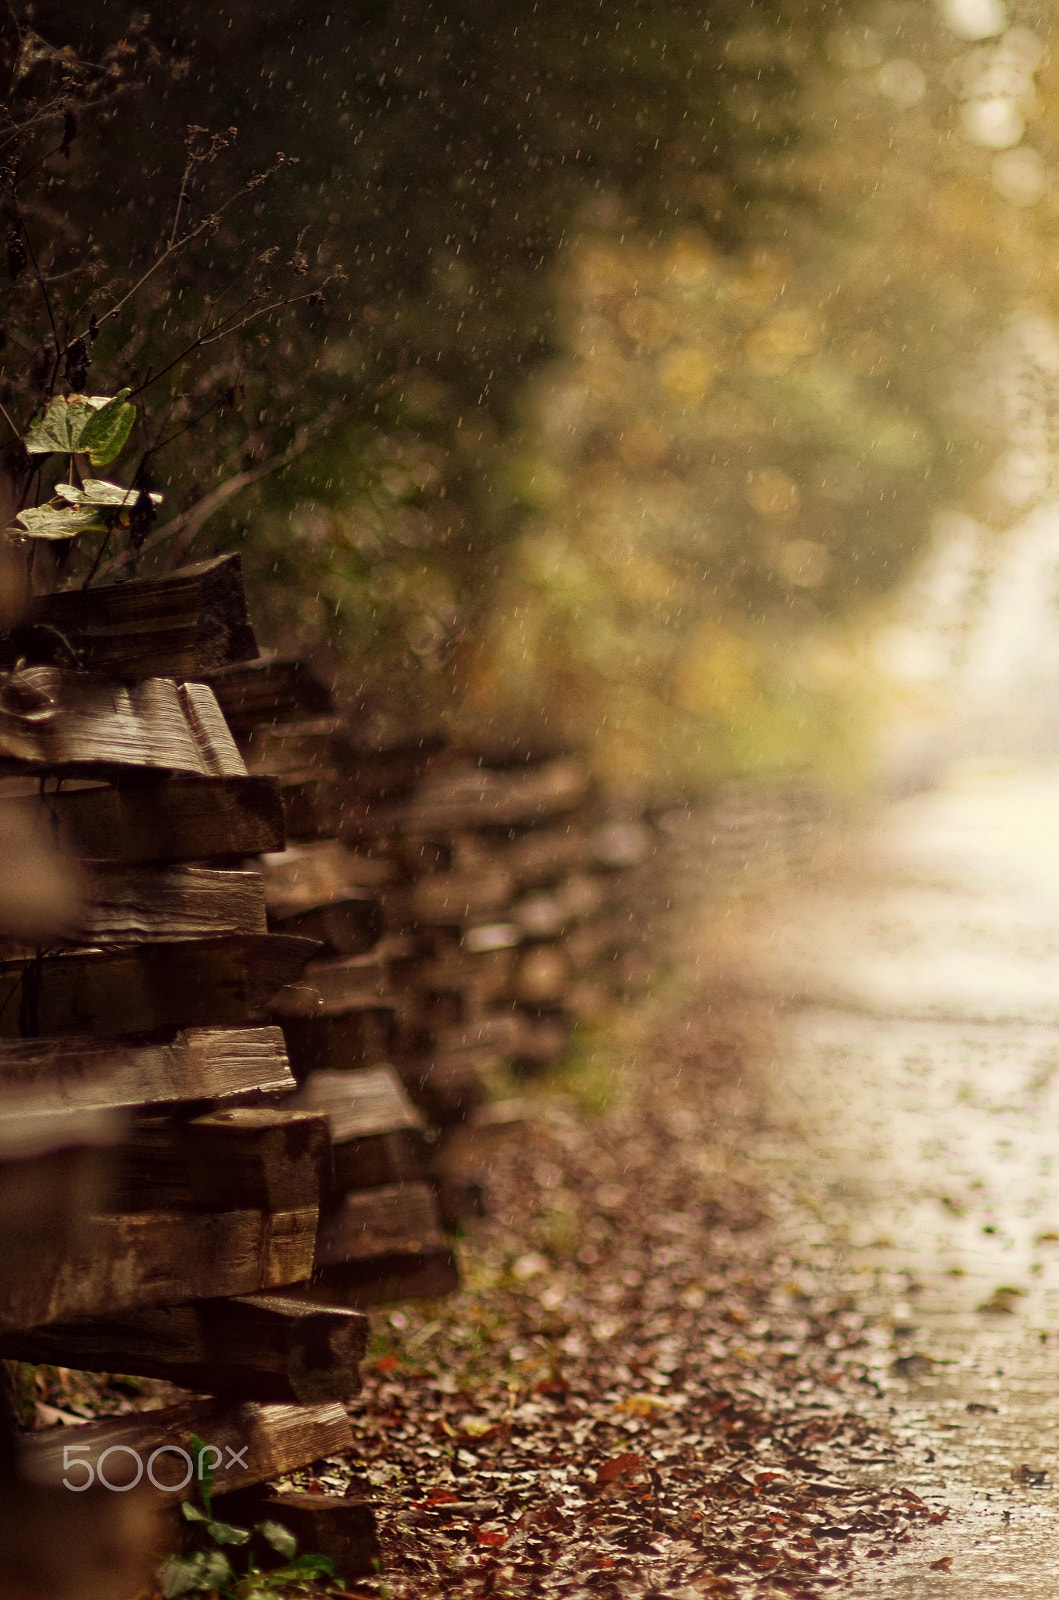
(909, 1068)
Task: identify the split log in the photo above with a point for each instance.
(267, 1158)
(350, 926)
(269, 690)
(259, 1347)
(401, 1218)
(317, 748)
(183, 625)
(75, 723)
(451, 1084)
(426, 1276)
(305, 875)
(254, 1443)
(129, 905)
(469, 797)
(336, 1526)
(177, 984)
(449, 899)
(180, 819)
(359, 1037)
(151, 1258)
(315, 807)
(50, 1076)
(376, 1132)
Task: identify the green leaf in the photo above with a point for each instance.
(280, 1538)
(98, 492)
(196, 1574)
(57, 522)
(78, 422)
(106, 431)
(225, 1533)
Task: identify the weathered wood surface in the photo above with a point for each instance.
(187, 983)
(183, 625)
(305, 875)
(400, 1218)
(270, 689)
(278, 1439)
(377, 1134)
(268, 1158)
(52, 1076)
(316, 748)
(331, 1525)
(259, 1347)
(149, 1258)
(397, 1276)
(462, 797)
(160, 820)
(127, 905)
(333, 988)
(76, 723)
(451, 1083)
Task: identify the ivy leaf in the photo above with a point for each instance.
(76, 423)
(225, 1533)
(280, 1538)
(200, 1573)
(98, 492)
(57, 522)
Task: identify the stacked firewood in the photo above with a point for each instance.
(493, 876)
(163, 1188)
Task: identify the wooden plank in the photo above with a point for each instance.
(348, 926)
(315, 748)
(186, 983)
(157, 820)
(450, 1084)
(333, 988)
(331, 1525)
(269, 1158)
(464, 797)
(355, 1038)
(254, 1443)
(182, 625)
(449, 898)
(259, 1347)
(75, 723)
(376, 1132)
(154, 1257)
(126, 905)
(50, 1077)
(397, 1276)
(401, 1218)
(270, 689)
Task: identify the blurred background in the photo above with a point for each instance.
(682, 380)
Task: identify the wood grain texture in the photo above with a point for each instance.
(127, 905)
(187, 983)
(153, 1258)
(271, 689)
(279, 1438)
(161, 820)
(397, 1276)
(272, 1158)
(377, 1135)
(400, 1218)
(259, 1347)
(54, 1076)
(77, 723)
(182, 625)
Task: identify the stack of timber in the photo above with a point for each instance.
(380, 1234)
(163, 1188)
(496, 873)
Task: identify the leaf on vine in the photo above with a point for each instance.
(72, 424)
(57, 522)
(280, 1538)
(98, 492)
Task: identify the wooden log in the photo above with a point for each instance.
(74, 723)
(450, 1084)
(401, 1218)
(49, 1077)
(270, 689)
(397, 1276)
(251, 1444)
(183, 625)
(333, 988)
(157, 820)
(336, 1526)
(348, 926)
(174, 984)
(376, 1132)
(465, 797)
(267, 1158)
(127, 905)
(151, 1258)
(355, 1038)
(317, 748)
(259, 1347)
(314, 807)
(305, 875)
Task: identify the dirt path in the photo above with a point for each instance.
(765, 1301)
